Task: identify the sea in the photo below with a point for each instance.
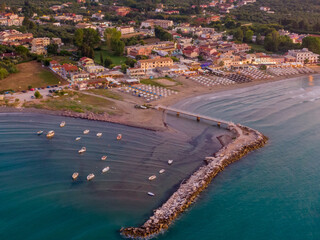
(272, 193)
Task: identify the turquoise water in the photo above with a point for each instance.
(273, 193)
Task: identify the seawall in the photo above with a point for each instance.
(247, 140)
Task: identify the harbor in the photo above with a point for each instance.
(246, 141)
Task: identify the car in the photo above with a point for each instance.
(48, 86)
(24, 91)
(50, 91)
(55, 85)
(32, 97)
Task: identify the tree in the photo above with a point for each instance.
(238, 35)
(108, 62)
(130, 62)
(52, 48)
(101, 58)
(3, 73)
(248, 36)
(22, 51)
(110, 35)
(124, 68)
(162, 34)
(272, 41)
(118, 47)
(312, 43)
(306, 61)
(78, 37)
(37, 95)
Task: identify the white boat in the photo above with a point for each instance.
(153, 177)
(82, 150)
(162, 171)
(75, 175)
(151, 194)
(99, 134)
(106, 169)
(90, 177)
(103, 158)
(40, 132)
(78, 138)
(170, 162)
(119, 137)
(62, 124)
(86, 131)
(50, 134)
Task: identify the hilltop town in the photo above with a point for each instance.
(112, 57)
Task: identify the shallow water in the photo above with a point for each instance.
(38, 196)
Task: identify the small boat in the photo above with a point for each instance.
(103, 158)
(170, 162)
(78, 138)
(62, 124)
(86, 131)
(162, 171)
(90, 177)
(153, 177)
(151, 194)
(106, 169)
(39, 132)
(119, 137)
(82, 150)
(50, 134)
(99, 134)
(75, 175)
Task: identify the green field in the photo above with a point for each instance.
(117, 60)
(106, 93)
(48, 77)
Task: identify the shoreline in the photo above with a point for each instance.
(247, 141)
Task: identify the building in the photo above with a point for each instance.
(121, 11)
(10, 19)
(156, 22)
(98, 16)
(155, 63)
(125, 30)
(85, 62)
(304, 55)
(45, 41)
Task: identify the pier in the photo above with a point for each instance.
(198, 117)
(246, 141)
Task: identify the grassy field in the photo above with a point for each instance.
(258, 48)
(155, 82)
(117, 60)
(77, 102)
(106, 93)
(64, 59)
(30, 74)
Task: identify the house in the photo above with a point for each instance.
(265, 9)
(191, 51)
(304, 55)
(154, 63)
(68, 69)
(157, 22)
(98, 16)
(121, 10)
(125, 30)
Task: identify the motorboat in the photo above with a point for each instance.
(162, 171)
(62, 124)
(170, 162)
(106, 169)
(75, 175)
(39, 132)
(99, 134)
(82, 150)
(153, 177)
(103, 158)
(86, 131)
(78, 138)
(90, 177)
(151, 194)
(119, 137)
(50, 134)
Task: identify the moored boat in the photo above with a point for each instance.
(103, 158)
(82, 150)
(50, 134)
(39, 132)
(75, 175)
(86, 131)
(62, 124)
(90, 177)
(119, 137)
(151, 194)
(99, 134)
(170, 162)
(153, 177)
(162, 171)
(78, 138)
(106, 169)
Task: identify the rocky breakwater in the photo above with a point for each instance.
(246, 141)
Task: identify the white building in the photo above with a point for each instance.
(304, 54)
